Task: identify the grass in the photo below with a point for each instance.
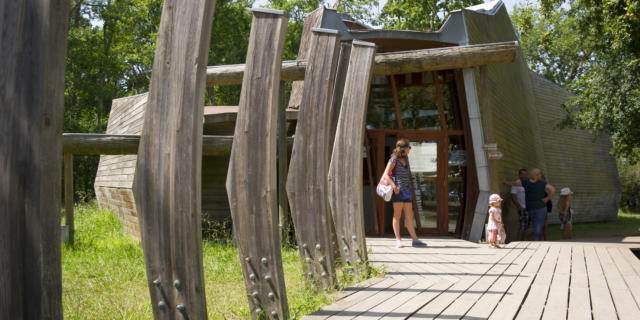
(627, 224)
(104, 275)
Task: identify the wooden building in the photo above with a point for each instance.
(470, 129)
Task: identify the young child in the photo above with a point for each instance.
(495, 219)
(565, 212)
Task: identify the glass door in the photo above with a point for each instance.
(423, 159)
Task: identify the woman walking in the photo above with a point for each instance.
(536, 199)
(397, 174)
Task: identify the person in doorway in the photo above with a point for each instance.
(549, 210)
(536, 201)
(495, 219)
(397, 174)
(518, 199)
(565, 212)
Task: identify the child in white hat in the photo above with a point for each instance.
(565, 212)
(495, 219)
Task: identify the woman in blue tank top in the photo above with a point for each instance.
(398, 175)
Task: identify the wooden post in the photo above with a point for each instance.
(68, 196)
(167, 184)
(338, 91)
(373, 182)
(334, 113)
(32, 60)
(251, 179)
(307, 179)
(345, 171)
(283, 163)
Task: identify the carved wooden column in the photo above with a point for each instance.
(307, 180)
(251, 179)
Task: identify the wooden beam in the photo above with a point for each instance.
(68, 196)
(33, 38)
(391, 63)
(251, 179)
(167, 186)
(96, 143)
(345, 172)
(307, 179)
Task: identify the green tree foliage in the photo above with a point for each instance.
(110, 52)
(419, 14)
(630, 181)
(592, 48)
(229, 42)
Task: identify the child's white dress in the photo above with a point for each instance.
(497, 214)
(492, 227)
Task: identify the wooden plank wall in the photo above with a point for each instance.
(167, 183)
(345, 171)
(32, 59)
(307, 179)
(251, 179)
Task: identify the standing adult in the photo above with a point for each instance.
(535, 199)
(397, 175)
(519, 200)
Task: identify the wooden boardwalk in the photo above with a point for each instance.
(456, 279)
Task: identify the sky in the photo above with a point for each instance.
(508, 3)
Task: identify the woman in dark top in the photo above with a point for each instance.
(535, 190)
(397, 174)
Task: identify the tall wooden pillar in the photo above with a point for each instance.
(307, 180)
(345, 172)
(252, 175)
(167, 185)
(33, 42)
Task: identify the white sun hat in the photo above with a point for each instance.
(494, 198)
(565, 192)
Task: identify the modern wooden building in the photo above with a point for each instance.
(470, 129)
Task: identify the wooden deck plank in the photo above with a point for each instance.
(623, 300)
(434, 308)
(631, 259)
(508, 307)
(467, 299)
(601, 302)
(457, 279)
(536, 298)
(628, 273)
(374, 300)
(558, 298)
(351, 300)
(579, 297)
(485, 305)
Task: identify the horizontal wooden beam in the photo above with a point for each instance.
(391, 63)
(93, 143)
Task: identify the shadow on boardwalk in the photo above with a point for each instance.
(456, 279)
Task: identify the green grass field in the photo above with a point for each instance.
(104, 275)
(627, 224)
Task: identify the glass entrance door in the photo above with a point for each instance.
(424, 108)
(423, 159)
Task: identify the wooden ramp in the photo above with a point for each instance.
(457, 279)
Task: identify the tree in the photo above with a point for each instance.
(592, 48)
(111, 44)
(419, 15)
